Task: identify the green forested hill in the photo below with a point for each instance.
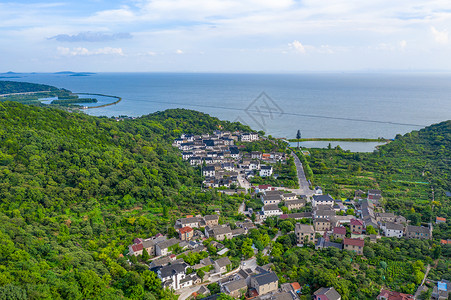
(413, 172)
(8, 87)
(75, 190)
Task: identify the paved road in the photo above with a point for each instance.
(243, 181)
(304, 186)
(241, 208)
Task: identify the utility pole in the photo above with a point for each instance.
(298, 136)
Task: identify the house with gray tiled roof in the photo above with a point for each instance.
(265, 282)
(221, 264)
(326, 294)
(418, 232)
(304, 233)
(234, 288)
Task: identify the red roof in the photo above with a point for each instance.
(137, 247)
(339, 230)
(441, 219)
(283, 217)
(356, 222)
(264, 186)
(296, 286)
(444, 242)
(354, 242)
(185, 229)
(390, 295)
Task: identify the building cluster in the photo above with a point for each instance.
(222, 160)
(272, 198)
(390, 224)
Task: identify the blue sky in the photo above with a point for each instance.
(225, 35)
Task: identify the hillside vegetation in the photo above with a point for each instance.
(413, 172)
(75, 190)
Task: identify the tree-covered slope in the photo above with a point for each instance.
(75, 190)
(9, 87)
(413, 172)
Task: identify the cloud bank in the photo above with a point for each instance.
(90, 36)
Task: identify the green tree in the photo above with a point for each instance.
(370, 230)
(151, 281)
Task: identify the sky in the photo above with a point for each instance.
(262, 36)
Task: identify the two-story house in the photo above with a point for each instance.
(221, 264)
(172, 276)
(162, 248)
(304, 233)
(339, 232)
(418, 232)
(219, 232)
(265, 282)
(392, 229)
(270, 199)
(322, 200)
(321, 224)
(186, 233)
(266, 171)
(211, 220)
(270, 210)
(193, 222)
(295, 204)
(355, 245)
(356, 226)
(234, 288)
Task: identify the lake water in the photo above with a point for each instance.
(351, 146)
(320, 105)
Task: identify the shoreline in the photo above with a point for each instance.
(119, 99)
(365, 140)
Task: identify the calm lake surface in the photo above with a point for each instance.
(351, 146)
(320, 105)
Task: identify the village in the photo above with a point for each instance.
(195, 256)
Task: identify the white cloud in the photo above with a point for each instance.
(297, 46)
(178, 51)
(403, 44)
(440, 37)
(80, 51)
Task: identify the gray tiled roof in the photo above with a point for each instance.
(394, 226)
(168, 243)
(265, 278)
(236, 285)
(330, 293)
(173, 269)
(223, 261)
(304, 228)
(323, 198)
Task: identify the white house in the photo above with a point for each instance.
(265, 171)
(208, 171)
(249, 137)
(174, 276)
(322, 200)
(271, 210)
(187, 155)
(270, 199)
(392, 229)
(254, 165)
